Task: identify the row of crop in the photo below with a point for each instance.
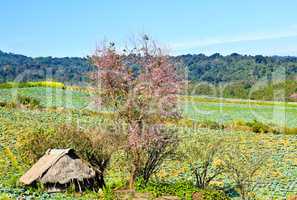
(51, 84)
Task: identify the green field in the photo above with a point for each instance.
(196, 108)
(282, 114)
(278, 179)
(49, 97)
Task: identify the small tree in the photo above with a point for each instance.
(155, 150)
(94, 145)
(203, 154)
(243, 167)
(140, 86)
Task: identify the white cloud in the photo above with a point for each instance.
(204, 42)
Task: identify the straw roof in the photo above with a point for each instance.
(58, 166)
(293, 96)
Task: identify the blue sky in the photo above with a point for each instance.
(74, 27)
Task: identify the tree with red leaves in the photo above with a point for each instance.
(141, 86)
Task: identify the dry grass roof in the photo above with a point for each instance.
(58, 166)
(293, 96)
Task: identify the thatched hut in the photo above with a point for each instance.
(58, 169)
(293, 97)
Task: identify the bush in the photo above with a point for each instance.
(5, 197)
(183, 190)
(108, 194)
(259, 127)
(202, 154)
(28, 101)
(8, 104)
(161, 147)
(93, 145)
(243, 167)
(287, 130)
(211, 124)
(10, 174)
(214, 195)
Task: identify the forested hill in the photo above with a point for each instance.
(14, 67)
(215, 68)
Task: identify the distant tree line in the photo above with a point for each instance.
(262, 90)
(21, 68)
(232, 76)
(235, 67)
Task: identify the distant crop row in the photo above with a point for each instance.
(32, 84)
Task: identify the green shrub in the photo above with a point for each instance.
(291, 131)
(259, 127)
(183, 190)
(93, 145)
(214, 195)
(28, 101)
(285, 130)
(108, 193)
(5, 197)
(8, 104)
(12, 173)
(212, 125)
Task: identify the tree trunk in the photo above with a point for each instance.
(132, 179)
(101, 181)
(134, 170)
(242, 192)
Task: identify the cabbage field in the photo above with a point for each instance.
(196, 108)
(278, 178)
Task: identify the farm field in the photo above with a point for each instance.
(49, 97)
(277, 179)
(226, 112)
(196, 108)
